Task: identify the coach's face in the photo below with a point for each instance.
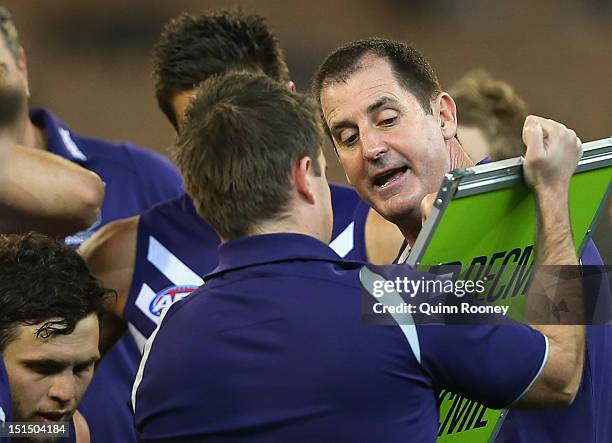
(392, 150)
(48, 376)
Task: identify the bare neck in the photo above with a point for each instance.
(414, 221)
(30, 135)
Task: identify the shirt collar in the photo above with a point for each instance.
(271, 248)
(59, 137)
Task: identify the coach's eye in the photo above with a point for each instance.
(348, 137)
(388, 117)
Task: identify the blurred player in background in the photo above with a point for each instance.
(49, 310)
(490, 115)
(395, 132)
(134, 178)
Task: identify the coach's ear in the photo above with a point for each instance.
(447, 115)
(302, 177)
(291, 87)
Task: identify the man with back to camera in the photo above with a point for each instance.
(395, 133)
(49, 310)
(273, 345)
(135, 179)
(159, 257)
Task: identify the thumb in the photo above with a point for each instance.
(426, 205)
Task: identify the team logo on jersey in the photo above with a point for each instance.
(166, 297)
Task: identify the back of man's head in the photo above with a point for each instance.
(43, 282)
(411, 69)
(493, 107)
(9, 32)
(241, 137)
(191, 49)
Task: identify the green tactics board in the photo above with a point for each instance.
(484, 220)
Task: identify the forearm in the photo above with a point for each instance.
(557, 290)
(554, 302)
(41, 191)
(555, 245)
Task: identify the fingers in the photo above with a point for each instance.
(426, 205)
(553, 151)
(533, 137)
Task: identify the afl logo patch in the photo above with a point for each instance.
(166, 297)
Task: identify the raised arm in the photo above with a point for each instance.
(552, 154)
(43, 192)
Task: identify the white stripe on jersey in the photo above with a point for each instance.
(143, 302)
(71, 145)
(139, 338)
(404, 321)
(343, 243)
(143, 361)
(168, 264)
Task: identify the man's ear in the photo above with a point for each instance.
(302, 177)
(447, 114)
(22, 64)
(291, 87)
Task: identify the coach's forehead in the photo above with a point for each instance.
(375, 80)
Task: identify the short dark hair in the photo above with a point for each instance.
(44, 282)
(191, 49)
(411, 69)
(240, 138)
(9, 32)
(493, 107)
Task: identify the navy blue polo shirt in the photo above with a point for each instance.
(135, 179)
(175, 248)
(272, 348)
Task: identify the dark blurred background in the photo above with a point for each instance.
(89, 61)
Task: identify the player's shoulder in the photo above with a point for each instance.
(133, 156)
(177, 206)
(110, 241)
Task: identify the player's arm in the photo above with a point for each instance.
(81, 428)
(552, 154)
(44, 192)
(110, 255)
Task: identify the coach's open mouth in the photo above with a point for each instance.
(388, 177)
